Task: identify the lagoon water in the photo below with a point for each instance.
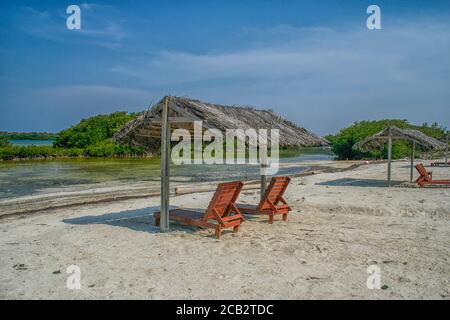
(31, 142)
(20, 178)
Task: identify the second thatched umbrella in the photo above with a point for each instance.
(394, 133)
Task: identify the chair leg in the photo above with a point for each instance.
(236, 229)
(218, 232)
(285, 217)
(270, 218)
(157, 221)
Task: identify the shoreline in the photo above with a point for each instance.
(33, 204)
(18, 159)
(80, 153)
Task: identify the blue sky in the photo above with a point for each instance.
(315, 63)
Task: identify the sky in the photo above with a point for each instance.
(314, 62)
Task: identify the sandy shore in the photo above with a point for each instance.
(342, 223)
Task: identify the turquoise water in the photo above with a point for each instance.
(31, 142)
(19, 178)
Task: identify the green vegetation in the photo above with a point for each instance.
(92, 130)
(27, 135)
(94, 136)
(91, 137)
(15, 152)
(343, 141)
(3, 142)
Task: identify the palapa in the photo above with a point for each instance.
(145, 130)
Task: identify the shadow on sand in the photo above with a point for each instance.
(138, 220)
(359, 183)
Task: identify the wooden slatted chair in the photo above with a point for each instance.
(221, 212)
(426, 178)
(272, 203)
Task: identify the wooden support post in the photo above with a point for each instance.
(263, 179)
(165, 164)
(389, 158)
(446, 149)
(413, 151)
(263, 165)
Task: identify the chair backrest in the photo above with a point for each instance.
(226, 193)
(422, 171)
(274, 192)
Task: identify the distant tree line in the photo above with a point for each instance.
(342, 142)
(27, 135)
(91, 137)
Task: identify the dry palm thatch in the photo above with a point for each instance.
(145, 130)
(377, 140)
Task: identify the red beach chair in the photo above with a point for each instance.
(426, 178)
(272, 203)
(221, 212)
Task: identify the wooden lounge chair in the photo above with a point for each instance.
(272, 203)
(426, 178)
(221, 212)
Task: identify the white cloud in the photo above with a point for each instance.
(352, 73)
(351, 56)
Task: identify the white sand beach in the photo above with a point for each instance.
(341, 223)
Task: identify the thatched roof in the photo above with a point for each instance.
(146, 129)
(377, 140)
